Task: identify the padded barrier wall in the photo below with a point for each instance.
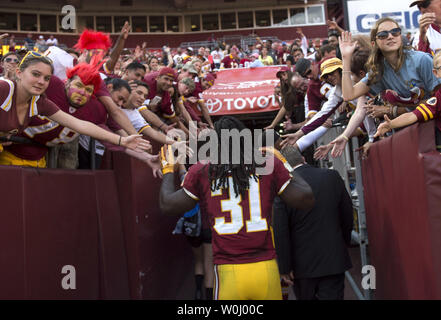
(104, 223)
(402, 185)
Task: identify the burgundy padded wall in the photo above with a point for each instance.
(402, 184)
(158, 261)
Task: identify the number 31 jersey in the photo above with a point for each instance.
(240, 224)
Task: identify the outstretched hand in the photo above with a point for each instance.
(322, 152)
(290, 139)
(338, 145)
(364, 150)
(383, 127)
(137, 143)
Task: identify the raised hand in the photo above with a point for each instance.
(425, 21)
(347, 47)
(4, 35)
(125, 30)
(332, 24)
(138, 53)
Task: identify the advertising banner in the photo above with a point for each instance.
(362, 14)
(240, 91)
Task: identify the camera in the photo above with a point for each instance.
(378, 101)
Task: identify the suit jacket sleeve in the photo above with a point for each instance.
(346, 211)
(281, 226)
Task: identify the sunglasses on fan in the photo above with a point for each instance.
(385, 34)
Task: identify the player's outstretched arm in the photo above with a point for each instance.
(172, 202)
(298, 193)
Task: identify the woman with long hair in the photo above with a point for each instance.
(23, 98)
(390, 65)
(153, 64)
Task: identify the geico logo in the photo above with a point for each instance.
(408, 19)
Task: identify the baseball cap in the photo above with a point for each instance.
(423, 3)
(210, 79)
(190, 68)
(168, 72)
(190, 49)
(330, 65)
(255, 55)
(282, 69)
(302, 66)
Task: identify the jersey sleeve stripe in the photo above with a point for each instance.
(7, 104)
(142, 108)
(191, 195)
(423, 113)
(169, 116)
(106, 70)
(143, 128)
(284, 187)
(428, 110)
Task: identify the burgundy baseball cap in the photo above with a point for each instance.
(168, 72)
(282, 69)
(210, 79)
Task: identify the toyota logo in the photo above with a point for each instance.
(213, 106)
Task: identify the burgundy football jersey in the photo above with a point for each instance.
(9, 123)
(49, 133)
(318, 93)
(230, 62)
(430, 109)
(166, 103)
(240, 225)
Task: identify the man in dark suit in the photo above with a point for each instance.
(312, 245)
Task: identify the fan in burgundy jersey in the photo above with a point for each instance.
(231, 61)
(74, 98)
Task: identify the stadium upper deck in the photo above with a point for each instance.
(171, 22)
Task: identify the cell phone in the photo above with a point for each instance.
(156, 100)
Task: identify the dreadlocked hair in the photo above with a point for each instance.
(242, 172)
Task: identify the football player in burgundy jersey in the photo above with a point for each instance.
(238, 203)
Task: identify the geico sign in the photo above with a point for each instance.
(216, 104)
(407, 19)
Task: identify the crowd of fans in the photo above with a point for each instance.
(372, 83)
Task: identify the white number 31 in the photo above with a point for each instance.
(232, 205)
